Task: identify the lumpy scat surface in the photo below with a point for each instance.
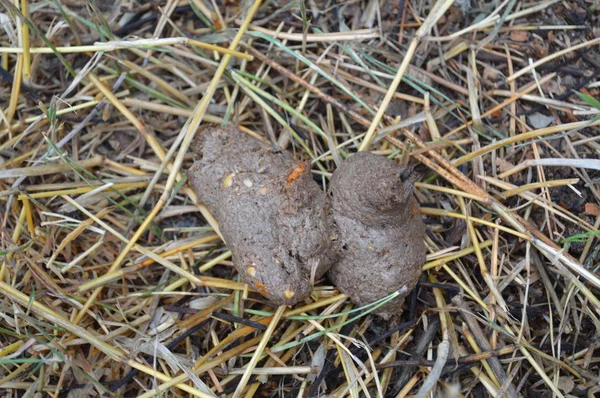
(279, 232)
(380, 231)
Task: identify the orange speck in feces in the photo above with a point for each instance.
(296, 173)
(261, 288)
(414, 210)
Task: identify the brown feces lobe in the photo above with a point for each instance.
(278, 228)
(380, 230)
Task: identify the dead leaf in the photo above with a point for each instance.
(504, 165)
(565, 384)
(519, 35)
(539, 121)
(592, 209)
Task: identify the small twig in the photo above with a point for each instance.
(259, 351)
(437, 11)
(50, 169)
(552, 56)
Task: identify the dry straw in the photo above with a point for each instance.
(104, 247)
